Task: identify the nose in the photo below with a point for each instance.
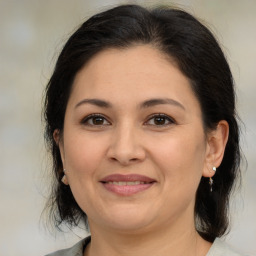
(126, 146)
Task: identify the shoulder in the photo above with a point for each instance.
(220, 248)
(76, 250)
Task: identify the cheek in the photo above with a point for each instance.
(180, 156)
(83, 153)
(83, 157)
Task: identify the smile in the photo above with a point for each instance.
(127, 185)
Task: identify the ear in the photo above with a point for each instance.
(216, 144)
(59, 142)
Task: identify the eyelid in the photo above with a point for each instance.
(170, 119)
(88, 117)
(167, 117)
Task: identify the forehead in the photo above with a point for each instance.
(132, 61)
(140, 72)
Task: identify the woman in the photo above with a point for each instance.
(141, 122)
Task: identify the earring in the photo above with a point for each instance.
(211, 183)
(211, 180)
(64, 178)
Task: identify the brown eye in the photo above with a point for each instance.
(160, 120)
(95, 120)
(98, 120)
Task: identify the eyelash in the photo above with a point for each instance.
(160, 115)
(170, 120)
(90, 117)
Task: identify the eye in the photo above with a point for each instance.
(160, 120)
(95, 120)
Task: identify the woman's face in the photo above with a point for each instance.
(133, 144)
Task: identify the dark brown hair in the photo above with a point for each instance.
(197, 54)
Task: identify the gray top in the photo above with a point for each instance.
(76, 250)
(219, 248)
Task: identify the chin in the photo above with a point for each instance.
(129, 226)
(128, 220)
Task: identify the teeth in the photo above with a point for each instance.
(124, 183)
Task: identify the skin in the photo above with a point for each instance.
(175, 152)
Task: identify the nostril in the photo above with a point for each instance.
(125, 155)
(124, 161)
(114, 159)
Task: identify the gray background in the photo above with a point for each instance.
(32, 33)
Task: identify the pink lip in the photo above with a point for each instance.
(127, 190)
(128, 177)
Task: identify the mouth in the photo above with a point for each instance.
(127, 185)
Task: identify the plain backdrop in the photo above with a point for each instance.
(32, 33)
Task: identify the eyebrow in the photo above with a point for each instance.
(160, 101)
(96, 102)
(145, 104)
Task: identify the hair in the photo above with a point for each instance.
(195, 51)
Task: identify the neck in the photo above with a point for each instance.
(175, 241)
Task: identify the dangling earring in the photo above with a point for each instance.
(211, 180)
(64, 178)
(211, 183)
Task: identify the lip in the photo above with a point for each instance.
(126, 178)
(110, 184)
